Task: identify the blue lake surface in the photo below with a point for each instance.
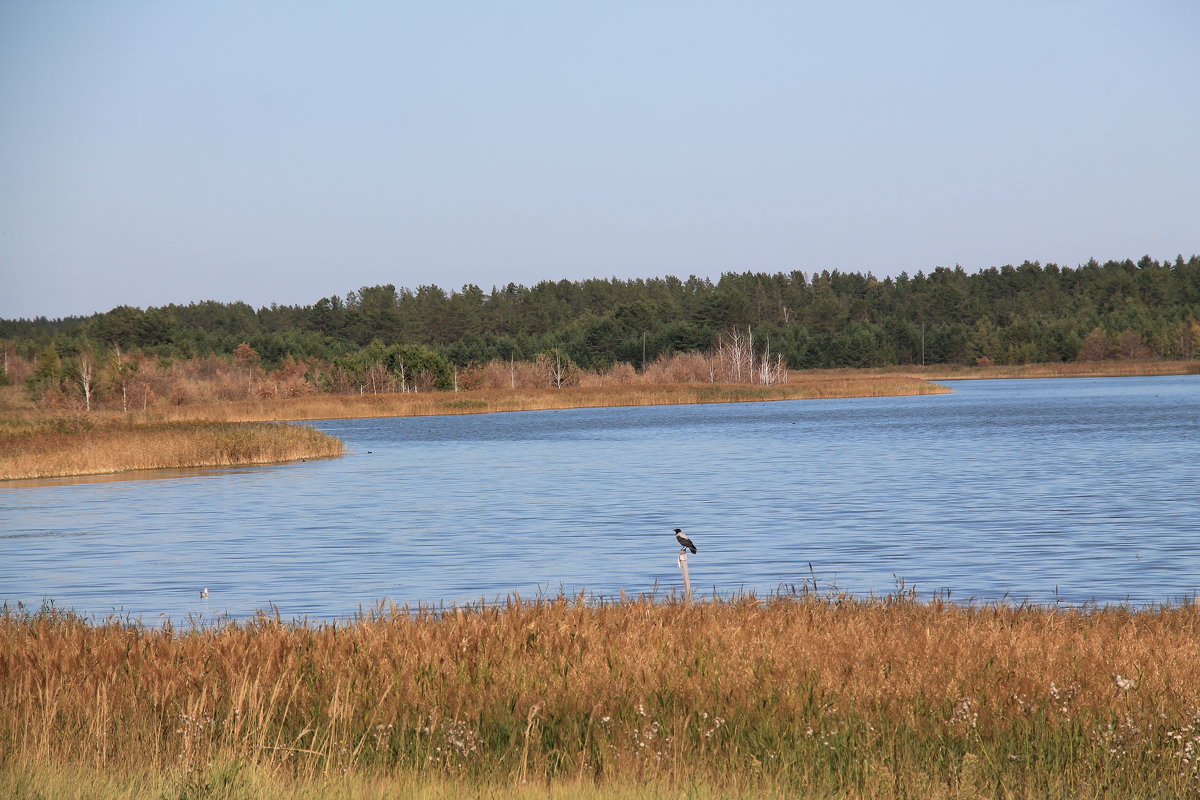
(1054, 490)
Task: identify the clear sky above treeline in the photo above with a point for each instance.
(279, 152)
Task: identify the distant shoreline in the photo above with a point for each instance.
(1073, 369)
(242, 433)
(41, 444)
(803, 386)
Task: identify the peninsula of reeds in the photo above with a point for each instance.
(57, 447)
(795, 696)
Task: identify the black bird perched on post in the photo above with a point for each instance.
(683, 540)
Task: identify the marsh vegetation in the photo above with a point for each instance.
(836, 696)
(56, 446)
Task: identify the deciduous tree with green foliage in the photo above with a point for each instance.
(1010, 314)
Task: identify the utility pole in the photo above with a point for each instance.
(643, 352)
(922, 344)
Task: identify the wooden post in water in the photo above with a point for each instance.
(687, 579)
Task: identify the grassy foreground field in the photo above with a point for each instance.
(800, 695)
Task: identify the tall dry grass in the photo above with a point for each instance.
(242, 781)
(842, 697)
(78, 446)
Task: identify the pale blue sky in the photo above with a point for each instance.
(160, 152)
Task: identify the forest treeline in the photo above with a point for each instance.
(384, 338)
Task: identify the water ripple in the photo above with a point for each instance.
(1049, 490)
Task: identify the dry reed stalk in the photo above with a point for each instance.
(819, 691)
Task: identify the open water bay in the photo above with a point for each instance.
(1071, 491)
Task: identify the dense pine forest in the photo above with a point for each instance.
(384, 338)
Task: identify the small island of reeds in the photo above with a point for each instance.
(820, 696)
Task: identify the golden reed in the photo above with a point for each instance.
(80, 448)
(840, 697)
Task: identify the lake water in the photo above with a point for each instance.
(1070, 491)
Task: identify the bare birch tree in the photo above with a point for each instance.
(559, 373)
(1189, 336)
(735, 355)
(120, 371)
(766, 373)
(85, 378)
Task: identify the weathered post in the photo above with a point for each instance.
(687, 579)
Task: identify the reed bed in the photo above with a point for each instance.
(830, 695)
(486, 401)
(78, 446)
(1068, 369)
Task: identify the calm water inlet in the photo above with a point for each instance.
(1068, 490)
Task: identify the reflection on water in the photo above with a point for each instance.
(1074, 489)
(121, 477)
